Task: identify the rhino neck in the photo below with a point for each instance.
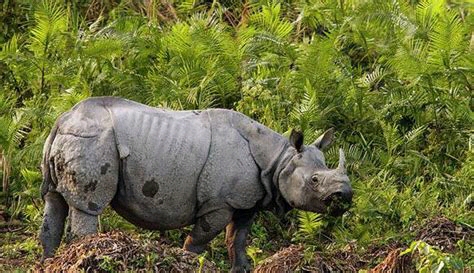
(271, 159)
(269, 149)
(279, 201)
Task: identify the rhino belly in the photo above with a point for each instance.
(162, 215)
(165, 155)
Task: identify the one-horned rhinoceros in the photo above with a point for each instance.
(163, 169)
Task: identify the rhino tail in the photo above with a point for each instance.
(47, 164)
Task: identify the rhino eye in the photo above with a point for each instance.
(314, 178)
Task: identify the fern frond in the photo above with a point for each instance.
(104, 48)
(392, 138)
(9, 48)
(51, 21)
(371, 79)
(310, 223)
(66, 100)
(415, 133)
(4, 133)
(410, 59)
(14, 130)
(306, 112)
(427, 13)
(446, 40)
(201, 58)
(269, 20)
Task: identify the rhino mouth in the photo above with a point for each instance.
(336, 204)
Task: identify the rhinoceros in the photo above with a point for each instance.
(163, 169)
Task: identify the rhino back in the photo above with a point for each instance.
(163, 155)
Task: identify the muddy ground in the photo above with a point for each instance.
(120, 251)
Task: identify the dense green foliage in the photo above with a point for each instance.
(394, 78)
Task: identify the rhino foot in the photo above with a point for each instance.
(241, 268)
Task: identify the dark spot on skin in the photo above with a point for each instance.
(91, 186)
(259, 130)
(150, 188)
(93, 206)
(46, 228)
(59, 163)
(70, 175)
(196, 112)
(104, 168)
(205, 225)
(160, 201)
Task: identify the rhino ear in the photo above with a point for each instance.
(325, 139)
(296, 140)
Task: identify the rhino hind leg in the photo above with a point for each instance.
(207, 227)
(52, 228)
(235, 237)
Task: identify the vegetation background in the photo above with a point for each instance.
(394, 78)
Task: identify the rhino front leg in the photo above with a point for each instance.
(52, 229)
(82, 223)
(235, 237)
(206, 228)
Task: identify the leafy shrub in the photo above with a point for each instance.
(394, 78)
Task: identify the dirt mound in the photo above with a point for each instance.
(291, 259)
(440, 232)
(285, 260)
(117, 251)
(394, 263)
(444, 234)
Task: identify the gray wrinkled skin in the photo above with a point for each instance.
(163, 169)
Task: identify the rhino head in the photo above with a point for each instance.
(307, 183)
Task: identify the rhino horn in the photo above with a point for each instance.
(342, 159)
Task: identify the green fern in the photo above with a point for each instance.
(373, 79)
(310, 225)
(51, 21)
(446, 41)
